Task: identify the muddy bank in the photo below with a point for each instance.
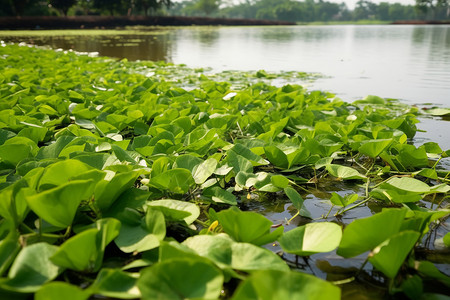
(113, 22)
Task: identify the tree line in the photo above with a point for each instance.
(81, 7)
(315, 10)
(283, 10)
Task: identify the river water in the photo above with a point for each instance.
(406, 62)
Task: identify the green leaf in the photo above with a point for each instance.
(61, 290)
(114, 283)
(178, 181)
(84, 251)
(432, 147)
(220, 195)
(447, 239)
(165, 281)
(239, 163)
(311, 238)
(239, 256)
(391, 194)
(13, 205)
(36, 134)
(145, 234)
(248, 154)
(279, 181)
(438, 111)
(323, 162)
(108, 191)
(428, 173)
(58, 205)
(9, 247)
(205, 169)
(32, 268)
(176, 210)
(12, 154)
(428, 269)
(269, 284)
(413, 286)
(390, 255)
(295, 197)
(276, 156)
(370, 99)
(343, 172)
(364, 234)
(297, 201)
(248, 227)
(338, 200)
(53, 150)
(248, 257)
(61, 172)
(187, 162)
(409, 184)
(373, 148)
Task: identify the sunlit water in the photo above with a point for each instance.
(405, 62)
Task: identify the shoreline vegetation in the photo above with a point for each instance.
(108, 22)
(141, 180)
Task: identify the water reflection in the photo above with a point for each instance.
(131, 46)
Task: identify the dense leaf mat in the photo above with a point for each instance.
(124, 180)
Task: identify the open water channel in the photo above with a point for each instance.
(409, 63)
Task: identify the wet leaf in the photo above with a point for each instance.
(32, 268)
(58, 289)
(165, 281)
(270, 284)
(390, 255)
(59, 205)
(364, 234)
(311, 238)
(248, 227)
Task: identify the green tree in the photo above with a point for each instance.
(18, 7)
(63, 5)
(112, 6)
(289, 11)
(434, 8)
(208, 6)
(364, 10)
(153, 5)
(6, 8)
(383, 11)
(327, 11)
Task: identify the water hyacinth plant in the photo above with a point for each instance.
(133, 180)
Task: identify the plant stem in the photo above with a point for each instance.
(362, 267)
(68, 230)
(354, 206)
(297, 214)
(343, 281)
(435, 164)
(329, 211)
(40, 226)
(367, 187)
(202, 223)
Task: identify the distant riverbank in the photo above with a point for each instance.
(113, 22)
